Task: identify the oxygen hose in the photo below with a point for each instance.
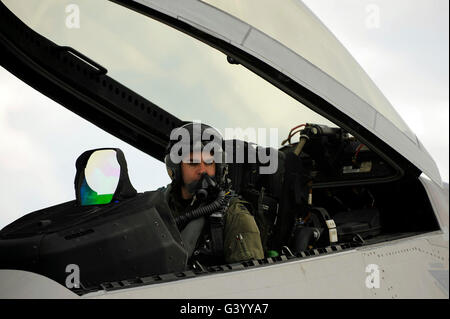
(220, 202)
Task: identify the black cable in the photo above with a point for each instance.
(220, 202)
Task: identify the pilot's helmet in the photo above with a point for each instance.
(194, 137)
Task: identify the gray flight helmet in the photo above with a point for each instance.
(195, 137)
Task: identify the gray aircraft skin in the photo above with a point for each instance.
(411, 262)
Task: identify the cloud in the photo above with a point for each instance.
(407, 58)
(39, 143)
(26, 167)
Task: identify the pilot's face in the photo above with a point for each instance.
(194, 167)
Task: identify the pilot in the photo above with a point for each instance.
(215, 224)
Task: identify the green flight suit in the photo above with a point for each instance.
(241, 235)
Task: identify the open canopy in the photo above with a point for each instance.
(150, 58)
(292, 39)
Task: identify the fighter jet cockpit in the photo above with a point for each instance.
(320, 198)
(307, 138)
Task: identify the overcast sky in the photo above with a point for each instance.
(402, 44)
(405, 50)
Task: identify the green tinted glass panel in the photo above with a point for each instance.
(102, 174)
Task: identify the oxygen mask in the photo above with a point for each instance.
(204, 187)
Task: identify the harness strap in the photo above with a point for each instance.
(217, 224)
(191, 233)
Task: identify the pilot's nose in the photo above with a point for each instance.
(201, 168)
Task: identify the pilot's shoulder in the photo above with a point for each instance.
(239, 205)
(239, 220)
